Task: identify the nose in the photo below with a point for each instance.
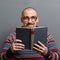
(30, 21)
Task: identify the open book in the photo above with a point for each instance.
(29, 36)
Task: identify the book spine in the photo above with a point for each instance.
(32, 38)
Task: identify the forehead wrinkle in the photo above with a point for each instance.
(30, 12)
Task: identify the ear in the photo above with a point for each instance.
(21, 19)
(37, 20)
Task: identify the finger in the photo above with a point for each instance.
(37, 49)
(17, 41)
(14, 38)
(37, 46)
(19, 44)
(17, 47)
(41, 44)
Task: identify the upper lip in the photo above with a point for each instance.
(30, 24)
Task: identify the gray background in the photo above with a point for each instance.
(48, 11)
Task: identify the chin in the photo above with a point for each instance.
(30, 26)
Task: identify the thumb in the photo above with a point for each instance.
(13, 36)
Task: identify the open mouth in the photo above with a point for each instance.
(29, 24)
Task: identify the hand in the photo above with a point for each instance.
(41, 48)
(16, 45)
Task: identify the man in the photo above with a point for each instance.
(29, 19)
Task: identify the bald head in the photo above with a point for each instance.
(28, 9)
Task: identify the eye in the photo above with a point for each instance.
(25, 18)
(34, 17)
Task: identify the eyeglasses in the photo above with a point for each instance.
(32, 18)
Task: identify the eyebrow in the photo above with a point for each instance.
(28, 16)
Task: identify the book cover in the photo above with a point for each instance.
(29, 36)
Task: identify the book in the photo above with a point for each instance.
(29, 36)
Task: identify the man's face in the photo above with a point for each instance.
(29, 18)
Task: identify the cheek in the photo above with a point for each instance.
(34, 22)
(25, 21)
